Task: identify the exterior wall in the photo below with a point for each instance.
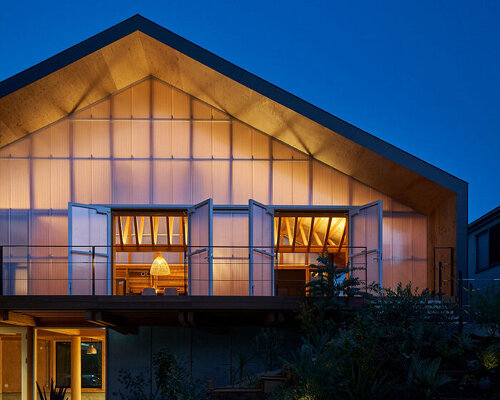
(153, 144)
(210, 355)
(480, 278)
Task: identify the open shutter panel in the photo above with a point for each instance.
(89, 227)
(366, 232)
(261, 266)
(200, 252)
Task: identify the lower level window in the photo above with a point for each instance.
(91, 354)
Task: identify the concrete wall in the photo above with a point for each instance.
(210, 354)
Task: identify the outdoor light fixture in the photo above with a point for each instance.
(159, 267)
(91, 349)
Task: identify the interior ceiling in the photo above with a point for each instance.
(137, 55)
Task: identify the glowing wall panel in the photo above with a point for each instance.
(153, 144)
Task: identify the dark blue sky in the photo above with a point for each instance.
(422, 75)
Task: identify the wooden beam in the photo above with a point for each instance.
(155, 225)
(279, 235)
(120, 229)
(151, 228)
(141, 230)
(127, 230)
(343, 238)
(18, 319)
(327, 233)
(309, 242)
(302, 233)
(136, 231)
(171, 230)
(288, 229)
(295, 232)
(167, 222)
(131, 248)
(184, 231)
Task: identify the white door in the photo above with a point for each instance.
(365, 255)
(200, 251)
(261, 249)
(89, 269)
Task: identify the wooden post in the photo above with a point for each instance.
(76, 368)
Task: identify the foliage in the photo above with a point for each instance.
(55, 393)
(423, 377)
(269, 342)
(485, 308)
(171, 382)
(239, 374)
(490, 357)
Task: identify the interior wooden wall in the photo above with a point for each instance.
(153, 144)
(11, 364)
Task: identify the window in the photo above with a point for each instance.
(91, 365)
(488, 248)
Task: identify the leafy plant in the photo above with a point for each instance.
(485, 308)
(269, 342)
(423, 376)
(171, 382)
(490, 358)
(54, 394)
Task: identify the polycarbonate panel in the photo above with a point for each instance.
(101, 182)
(101, 109)
(242, 182)
(162, 100)
(59, 139)
(181, 139)
(201, 110)
(141, 147)
(242, 141)
(162, 139)
(82, 181)
(122, 104)
(282, 182)
(40, 143)
(281, 151)
(221, 171)
(262, 181)
(230, 264)
(181, 105)
(101, 139)
(221, 139)
(41, 183)
(82, 136)
(162, 182)
(60, 190)
(122, 181)
(366, 239)
(122, 139)
(141, 98)
(300, 189)
(261, 223)
(89, 227)
(19, 184)
(200, 249)
(202, 180)
(261, 145)
(202, 139)
(340, 188)
(322, 193)
(4, 185)
(141, 182)
(181, 182)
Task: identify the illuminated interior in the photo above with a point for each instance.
(149, 252)
(300, 238)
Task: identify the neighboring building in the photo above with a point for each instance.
(484, 249)
(137, 145)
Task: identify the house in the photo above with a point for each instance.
(153, 194)
(484, 250)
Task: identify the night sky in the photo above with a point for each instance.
(422, 75)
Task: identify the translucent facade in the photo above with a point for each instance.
(152, 144)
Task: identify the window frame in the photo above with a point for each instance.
(490, 265)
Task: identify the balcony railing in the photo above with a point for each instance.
(215, 270)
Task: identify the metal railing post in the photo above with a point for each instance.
(460, 303)
(1, 270)
(440, 294)
(93, 270)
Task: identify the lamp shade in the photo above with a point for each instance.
(91, 349)
(159, 267)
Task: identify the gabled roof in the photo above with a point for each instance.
(491, 216)
(137, 47)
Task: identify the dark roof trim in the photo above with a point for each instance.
(485, 219)
(139, 23)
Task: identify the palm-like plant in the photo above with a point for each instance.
(54, 394)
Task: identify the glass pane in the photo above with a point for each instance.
(91, 364)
